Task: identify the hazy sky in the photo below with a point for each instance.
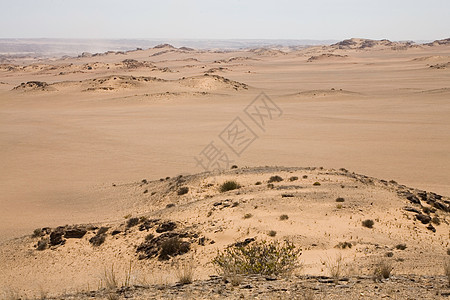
(226, 19)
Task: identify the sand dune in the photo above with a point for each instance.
(79, 134)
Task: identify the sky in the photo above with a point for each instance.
(226, 19)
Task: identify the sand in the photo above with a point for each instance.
(381, 111)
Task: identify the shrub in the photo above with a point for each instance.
(42, 244)
(305, 176)
(340, 199)
(270, 186)
(248, 216)
(183, 190)
(334, 267)
(316, 183)
(339, 206)
(263, 258)
(400, 247)
(447, 270)
(272, 233)
(383, 270)
(173, 246)
(132, 222)
(436, 221)
(258, 183)
(37, 233)
(229, 185)
(234, 167)
(344, 245)
(275, 178)
(284, 217)
(293, 178)
(368, 223)
(185, 273)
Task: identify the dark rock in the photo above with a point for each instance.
(75, 233)
(411, 209)
(244, 243)
(413, 199)
(287, 195)
(166, 245)
(166, 226)
(56, 237)
(423, 218)
(102, 230)
(98, 239)
(431, 227)
(116, 231)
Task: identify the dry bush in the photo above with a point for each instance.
(263, 258)
(272, 233)
(275, 178)
(284, 217)
(368, 223)
(183, 190)
(335, 267)
(382, 270)
(447, 270)
(185, 273)
(110, 278)
(229, 186)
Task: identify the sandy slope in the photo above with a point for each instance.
(71, 128)
(210, 220)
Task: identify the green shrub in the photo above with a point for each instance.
(316, 183)
(229, 186)
(275, 178)
(272, 233)
(368, 223)
(183, 190)
(383, 270)
(264, 258)
(400, 247)
(284, 217)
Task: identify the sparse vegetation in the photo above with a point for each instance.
(229, 186)
(270, 186)
(185, 273)
(264, 258)
(436, 221)
(284, 217)
(339, 206)
(272, 233)
(305, 176)
(293, 178)
(173, 246)
(447, 269)
(340, 199)
(258, 183)
(42, 244)
(110, 278)
(248, 216)
(275, 178)
(183, 190)
(344, 245)
(316, 183)
(132, 222)
(368, 223)
(383, 269)
(400, 246)
(335, 267)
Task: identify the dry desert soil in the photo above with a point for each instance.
(99, 167)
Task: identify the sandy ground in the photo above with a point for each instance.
(119, 118)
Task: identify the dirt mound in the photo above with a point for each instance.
(212, 82)
(326, 56)
(117, 82)
(361, 44)
(164, 46)
(439, 42)
(32, 86)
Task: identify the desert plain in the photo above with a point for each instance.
(101, 139)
